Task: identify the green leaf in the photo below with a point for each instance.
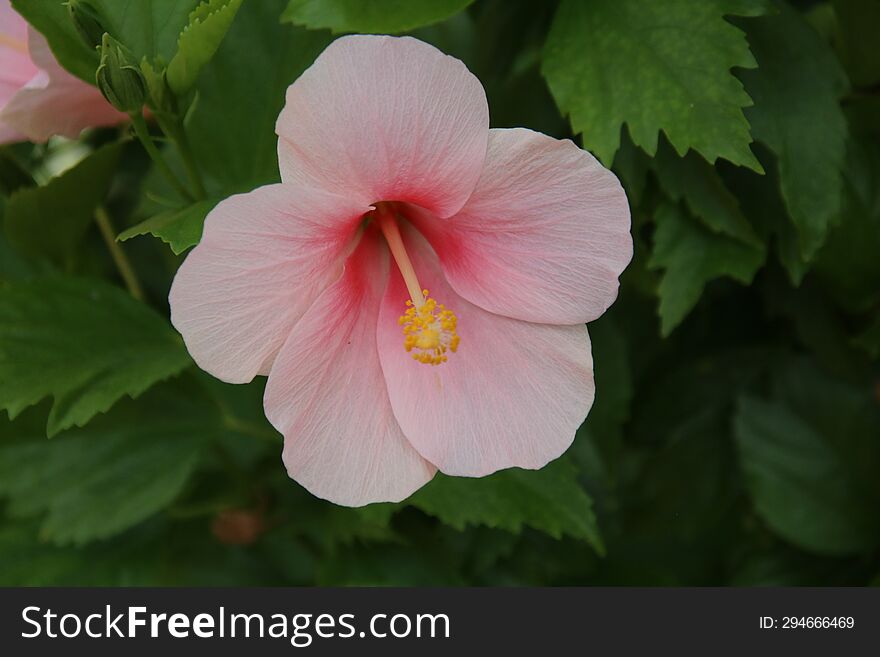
(423, 564)
(31, 560)
(179, 228)
(233, 134)
(613, 374)
(13, 176)
(691, 255)
(653, 66)
(809, 459)
(848, 264)
(83, 342)
(95, 482)
(375, 17)
(13, 265)
(779, 564)
(696, 182)
(599, 438)
(845, 413)
(148, 28)
(333, 526)
(684, 492)
(50, 220)
(796, 89)
(760, 198)
(632, 166)
(198, 42)
(813, 323)
(549, 500)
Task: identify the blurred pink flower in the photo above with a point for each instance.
(38, 98)
(393, 185)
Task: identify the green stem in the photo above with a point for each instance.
(143, 133)
(177, 133)
(123, 264)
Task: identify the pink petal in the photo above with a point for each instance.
(16, 67)
(512, 395)
(263, 259)
(8, 135)
(544, 236)
(383, 118)
(54, 102)
(327, 396)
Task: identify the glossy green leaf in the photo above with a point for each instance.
(693, 180)
(690, 256)
(51, 220)
(149, 28)
(233, 134)
(179, 228)
(95, 482)
(796, 89)
(375, 17)
(809, 458)
(82, 342)
(550, 500)
(198, 42)
(653, 66)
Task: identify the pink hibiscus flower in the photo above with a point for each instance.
(394, 185)
(38, 98)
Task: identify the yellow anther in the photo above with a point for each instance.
(429, 328)
(429, 331)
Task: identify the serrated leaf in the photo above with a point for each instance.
(148, 28)
(95, 482)
(696, 182)
(50, 220)
(375, 17)
(233, 134)
(632, 165)
(653, 66)
(179, 228)
(761, 199)
(83, 342)
(199, 40)
(691, 255)
(549, 500)
(796, 89)
(799, 481)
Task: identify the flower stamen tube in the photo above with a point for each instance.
(429, 328)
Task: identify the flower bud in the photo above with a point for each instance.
(87, 22)
(160, 98)
(119, 77)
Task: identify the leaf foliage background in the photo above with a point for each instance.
(735, 437)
